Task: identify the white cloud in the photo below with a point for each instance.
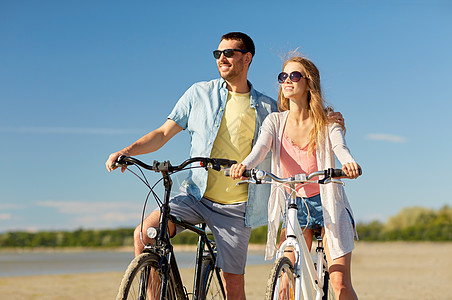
(5, 217)
(5, 206)
(95, 214)
(386, 137)
(108, 218)
(69, 130)
(79, 207)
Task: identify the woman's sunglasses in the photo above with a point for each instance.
(295, 76)
(227, 52)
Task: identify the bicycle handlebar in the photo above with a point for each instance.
(259, 175)
(165, 166)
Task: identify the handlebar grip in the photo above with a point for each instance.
(225, 162)
(121, 161)
(129, 161)
(340, 173)
(337, 173)
(246, 173)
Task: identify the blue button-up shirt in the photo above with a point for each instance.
(200, 111)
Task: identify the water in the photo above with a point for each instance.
(47, 263)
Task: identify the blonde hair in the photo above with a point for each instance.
(316, 104)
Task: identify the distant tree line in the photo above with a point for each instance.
(77, 238)
(410, 224)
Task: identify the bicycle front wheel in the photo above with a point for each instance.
(142, 280)
(211, 286)
(281, 282)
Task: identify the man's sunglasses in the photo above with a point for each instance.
(295, 76)
(227, 52)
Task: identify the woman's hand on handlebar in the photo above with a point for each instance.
(237, 171)
(111, 161)
(352, 170)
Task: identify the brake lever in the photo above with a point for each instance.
(333, 181)
(243, 182)
(216, 166)
(251, 180)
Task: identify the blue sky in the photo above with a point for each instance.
(82, 79)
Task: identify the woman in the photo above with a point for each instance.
(304, 140)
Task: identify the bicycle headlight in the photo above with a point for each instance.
(152, 232)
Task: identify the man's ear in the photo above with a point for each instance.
(248, 57)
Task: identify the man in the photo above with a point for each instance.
(223, 117)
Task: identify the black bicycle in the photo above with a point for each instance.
(154, 274)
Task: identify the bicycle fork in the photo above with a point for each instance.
(305, 271)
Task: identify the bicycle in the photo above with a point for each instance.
(154, 274)
(305, 279)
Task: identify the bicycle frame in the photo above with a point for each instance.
(306, 275)
(169, 259)
(163, 247)
(204, 244)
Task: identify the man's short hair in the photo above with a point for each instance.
(247, 42)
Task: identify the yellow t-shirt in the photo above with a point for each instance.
(234, 141)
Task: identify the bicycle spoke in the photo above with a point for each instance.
(142, 280)
(281, 283)
(211, 286)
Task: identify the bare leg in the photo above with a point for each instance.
(340, 274)
(151, 221)
(308, 233)
(234, 285)
(288, 252)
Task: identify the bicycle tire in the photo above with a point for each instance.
(146, 264)
(211, 286)
(282, 266)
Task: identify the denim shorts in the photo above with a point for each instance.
(315, 219)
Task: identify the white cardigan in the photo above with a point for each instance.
(339, 229)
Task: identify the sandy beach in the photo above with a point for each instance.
(397, 270)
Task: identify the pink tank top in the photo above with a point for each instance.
(296, 160)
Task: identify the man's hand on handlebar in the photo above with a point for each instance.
(237, 171)
(111, 161)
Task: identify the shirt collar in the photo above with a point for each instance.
(253, 96)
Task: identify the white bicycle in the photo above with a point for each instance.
(305, 279)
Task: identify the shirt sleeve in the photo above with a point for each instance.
(339, 145)
(263, 144)
(181, 110)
